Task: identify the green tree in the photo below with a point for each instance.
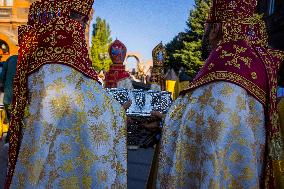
(171, 48)
(185, 49)
(101, 39)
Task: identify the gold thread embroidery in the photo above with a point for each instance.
(235, 57)
(253, 75)
(231, 77)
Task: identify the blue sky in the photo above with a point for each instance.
(142, 24)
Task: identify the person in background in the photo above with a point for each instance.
(1, 86)
(6, 78)
(2, 110)
(3, 146)
(117, 76)
(1, 66)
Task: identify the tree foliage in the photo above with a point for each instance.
(171, 48)
(185, 49)
(101, 39)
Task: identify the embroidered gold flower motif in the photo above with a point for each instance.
(96, 112)
(86, 158)
(226, 172)
(55, 68)
(236, 157)
(188, 132)
(53, 175)
(214, 129)
(102, 176)
(235, 184)
(220, 107)
(241, 103)
(65, 148)
(235, 119)
(243, 142)
(87, 182)
(72, 77)
(21, 179)
(61, 106)
(227, 90)
(119, 168)
(179, 167)
(35, 171)
(68, 166)
(213, 184)
(247, 174)
(91, 95)
(57, 85)
(107, 101)
(25, 154)
(177, 112)
(70, 183)
(206, 98)
(42, 175)
(37, 79)
(254, 121)
(79, 99)
(191, 114)
(200, 119)
(99, 133)
(79, 83)
(51, 158)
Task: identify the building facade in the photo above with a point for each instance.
(273, 11)
(13, 13)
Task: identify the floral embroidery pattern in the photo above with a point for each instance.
(213, 142)
(66, 144)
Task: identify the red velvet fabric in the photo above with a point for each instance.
(238, 63)
(222, 10)
(115, 74)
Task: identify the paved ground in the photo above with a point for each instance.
(139, 163)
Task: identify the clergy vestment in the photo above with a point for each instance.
(223, 131)
(66, 131)
(213, 137)
(74, 134)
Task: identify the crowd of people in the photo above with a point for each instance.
(225, 130)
